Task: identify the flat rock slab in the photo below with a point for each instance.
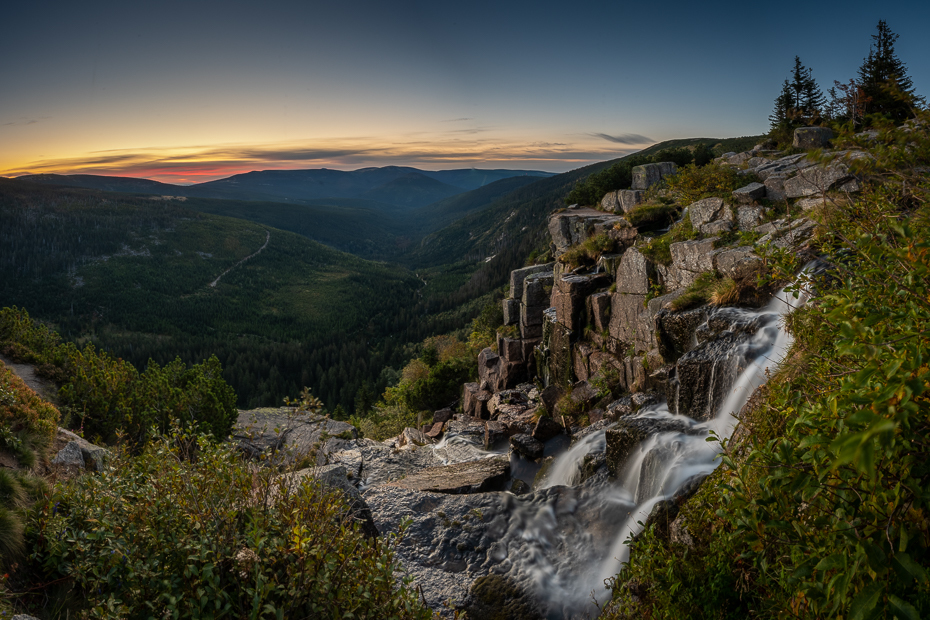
(461, 478)
(262, 430)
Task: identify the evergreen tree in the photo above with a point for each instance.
(783, 105)
(800, 101)
(807, 100)
(881, 73)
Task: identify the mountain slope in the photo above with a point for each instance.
(133, 275)
(411, 191)
(305, 185)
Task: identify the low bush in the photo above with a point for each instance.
(587, 252)
(652, 215)
(167, 535)
(693, 183)
(658, 249)
(105, 396)
(697, 294)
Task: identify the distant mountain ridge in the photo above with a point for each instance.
(395, 186)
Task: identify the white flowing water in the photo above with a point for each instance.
(570, 580)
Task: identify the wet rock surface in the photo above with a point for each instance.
(470, 477)
(629, 433)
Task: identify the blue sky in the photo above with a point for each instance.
(188, 91)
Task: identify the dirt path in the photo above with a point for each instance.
(27, 372)
(257, 252)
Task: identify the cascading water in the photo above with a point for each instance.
(568, 574)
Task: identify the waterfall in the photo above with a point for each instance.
(567, 567)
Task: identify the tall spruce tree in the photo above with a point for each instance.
(783, 105)
(800, 102)
(881, 73)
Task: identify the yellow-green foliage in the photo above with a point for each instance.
(654, 214)
(23, 413)
(107, 395)
(824, 510)
(659, 248)
(430, 382)
(693, 183)
(27, 426)
(588, 251)
(189, 530)
(697, 294)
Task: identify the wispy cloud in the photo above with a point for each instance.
(458, 120)
(624, 138)
(25, 121)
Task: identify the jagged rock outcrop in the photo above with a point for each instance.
(647, 175)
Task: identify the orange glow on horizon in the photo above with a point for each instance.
(188, 165)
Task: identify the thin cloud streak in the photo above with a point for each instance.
(626, 138)
(22, 122)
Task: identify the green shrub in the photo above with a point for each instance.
(110, 396)
(658, 249)
(697, 294)
(385, 421)
(588, 251)
(26, 421)
(107, 395)
(652, 215)
(161, 535)
(693, 183)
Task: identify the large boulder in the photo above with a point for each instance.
(547, 428)
(569, 296)
(817, 180)
(634, 273)
(675, 331)
(630, 321)
(475, 401)
(573, 226)
(647, 175)
(704, 376)
(80, 453)
(775, 188)
(629, 199)
(737, 263)
(675, 279)
(749, 193)
(785, 166)
(749, 216)
(264, 431)
(708, 210)
(599, 310)
(695, 256)
(518, 276)
(812, 137)
(527, 445)
(609, 202)
(511, 311)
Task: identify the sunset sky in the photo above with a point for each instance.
(190, 91)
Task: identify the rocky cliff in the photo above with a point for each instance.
(591, 415)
